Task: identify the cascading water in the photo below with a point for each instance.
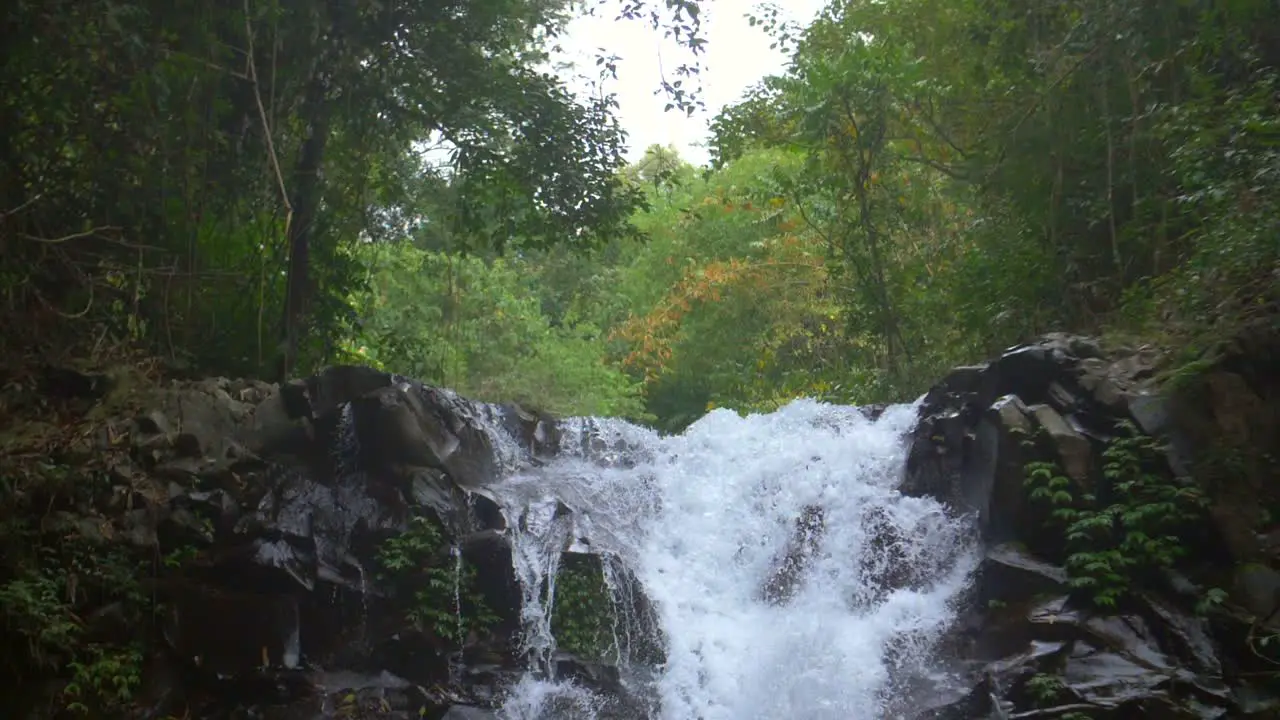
(787, 577)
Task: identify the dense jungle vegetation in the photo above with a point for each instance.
(246, 189)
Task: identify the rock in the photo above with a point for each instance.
(939, 463)
(953, 458)
(489, 552)
(205, 418)
(1154, 657)
(465, 712)
(1189, 636)
(1099, 678)
(288, 493)
(995, 480)
(1151, 412)
(888, 567)
(227, 632)
(596, 676)
(1257, 588)
(324, 394)
(803, 543)
(382, 695)
(1074, 450)
(275, 430)
(1014, 574)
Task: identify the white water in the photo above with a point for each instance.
(703, 520)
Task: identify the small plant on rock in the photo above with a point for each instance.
(1044, 689)
(444, 596)
(583, 615)
(1133, 531)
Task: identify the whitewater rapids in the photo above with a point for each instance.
(703, 520)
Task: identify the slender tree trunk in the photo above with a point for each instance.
(305, 200)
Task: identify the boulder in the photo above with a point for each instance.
(1041, 651)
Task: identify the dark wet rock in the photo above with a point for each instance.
(996, 492)
(1189, 636)
(1010, 572)
(1257, 588)
(801, 547)
(946, 457)
(489, 552)
(873, 412)
(355, 695)
(592, 675)
(888, 566)
(466, 712)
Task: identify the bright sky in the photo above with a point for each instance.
(737, 56)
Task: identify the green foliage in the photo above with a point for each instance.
(41, 609)
(188, 177)
(1125, 529)
(471, 324)
(1213, 598)
(982, 173)
(105, 680)
(442, 595)
(1045, 689)
(583, 615)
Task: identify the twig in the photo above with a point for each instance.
(201, 61)
(252, 68)
(21, 207)
(69, 316)
(73, 236)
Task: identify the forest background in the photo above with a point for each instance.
(241, 189)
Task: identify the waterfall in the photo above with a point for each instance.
(785, 576)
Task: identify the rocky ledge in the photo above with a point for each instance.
(1130, 562)
(321, 549)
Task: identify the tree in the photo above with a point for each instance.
(225, 141)
(660, 167)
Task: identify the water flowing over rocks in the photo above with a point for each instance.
(1029, 643)
(737, 571)
(818, 562)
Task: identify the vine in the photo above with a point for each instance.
(1136, 531)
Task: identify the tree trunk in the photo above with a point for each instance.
(305, 200)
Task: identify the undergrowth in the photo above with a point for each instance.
(583, 615)
(1128, 527)
(442, 595)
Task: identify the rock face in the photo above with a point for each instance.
(283, 499)
(1034, 644)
